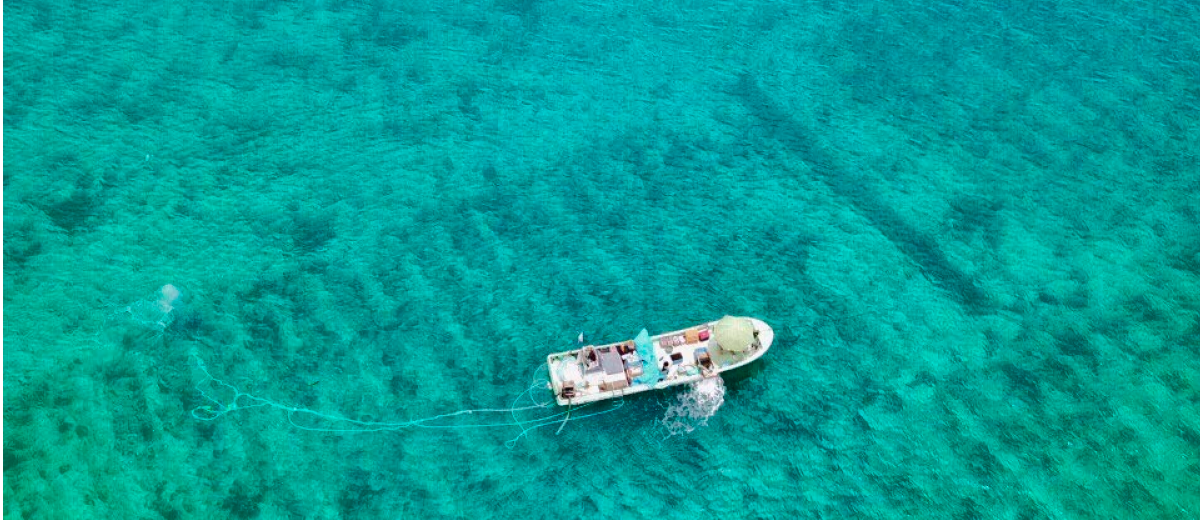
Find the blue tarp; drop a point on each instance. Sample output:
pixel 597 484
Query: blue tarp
pixel 645 348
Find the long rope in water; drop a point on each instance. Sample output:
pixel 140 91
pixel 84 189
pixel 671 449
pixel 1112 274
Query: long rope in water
pixel 564 423
pixel 242 401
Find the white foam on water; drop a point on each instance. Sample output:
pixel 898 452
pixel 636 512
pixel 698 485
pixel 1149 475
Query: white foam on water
pixel 694 406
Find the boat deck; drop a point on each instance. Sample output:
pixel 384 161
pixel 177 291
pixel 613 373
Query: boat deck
pixel 598 372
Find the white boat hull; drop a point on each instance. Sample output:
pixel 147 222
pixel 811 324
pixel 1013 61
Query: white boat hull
pixel 598 372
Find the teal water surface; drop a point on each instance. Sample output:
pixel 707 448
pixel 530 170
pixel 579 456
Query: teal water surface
pixel 971 224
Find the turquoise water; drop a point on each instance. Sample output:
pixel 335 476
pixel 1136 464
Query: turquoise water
pixel 972 226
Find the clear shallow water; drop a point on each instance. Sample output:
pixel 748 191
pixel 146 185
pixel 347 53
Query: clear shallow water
pixel 972 228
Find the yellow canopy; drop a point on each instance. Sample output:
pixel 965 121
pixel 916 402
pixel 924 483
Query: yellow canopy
pixel 734 334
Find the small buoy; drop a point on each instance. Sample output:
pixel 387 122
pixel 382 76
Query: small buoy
pixel 581 337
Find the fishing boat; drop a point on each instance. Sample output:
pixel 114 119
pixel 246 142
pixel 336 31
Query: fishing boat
pixel 598 372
